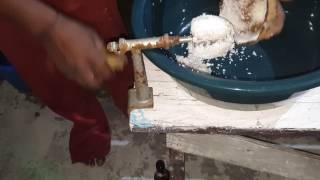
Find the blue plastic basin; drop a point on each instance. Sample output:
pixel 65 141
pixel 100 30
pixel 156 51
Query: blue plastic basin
pixel 271 71
pixel 8 73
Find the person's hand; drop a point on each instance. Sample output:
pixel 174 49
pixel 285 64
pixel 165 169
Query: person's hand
pixel 79 53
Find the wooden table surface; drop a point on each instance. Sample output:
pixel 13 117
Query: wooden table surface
pixel 175 110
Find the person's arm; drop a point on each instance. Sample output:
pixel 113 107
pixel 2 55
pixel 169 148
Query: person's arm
pixel 31 15
pixel 75 49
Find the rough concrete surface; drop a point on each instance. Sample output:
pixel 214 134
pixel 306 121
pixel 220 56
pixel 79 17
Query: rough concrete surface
pixel 34 146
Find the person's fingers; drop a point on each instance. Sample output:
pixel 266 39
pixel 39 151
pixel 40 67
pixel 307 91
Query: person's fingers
pixel 59 62
pixel 71 72
pixel 116 62
pixel 99 67
pixel 98 42
pixel 87 78
pixel 97 59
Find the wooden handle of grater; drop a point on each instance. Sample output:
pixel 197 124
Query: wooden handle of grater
pixel 116 62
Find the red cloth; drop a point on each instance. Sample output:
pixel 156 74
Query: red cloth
pixel 90 136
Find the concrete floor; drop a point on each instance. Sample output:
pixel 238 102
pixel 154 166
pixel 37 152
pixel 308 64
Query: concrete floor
pixel 34 146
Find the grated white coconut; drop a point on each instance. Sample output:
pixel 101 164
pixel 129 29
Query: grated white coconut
pixel 213 37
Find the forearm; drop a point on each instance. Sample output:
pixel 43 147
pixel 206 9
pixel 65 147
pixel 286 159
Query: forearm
pixel 32 15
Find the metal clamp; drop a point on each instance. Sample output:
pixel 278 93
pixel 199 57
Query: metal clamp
pixel 141 96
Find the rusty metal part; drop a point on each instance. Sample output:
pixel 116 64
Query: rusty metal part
pixel 141 96
pixel 165 41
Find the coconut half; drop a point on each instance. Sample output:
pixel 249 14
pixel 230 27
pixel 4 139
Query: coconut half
pixel 253 20
pixel 274 21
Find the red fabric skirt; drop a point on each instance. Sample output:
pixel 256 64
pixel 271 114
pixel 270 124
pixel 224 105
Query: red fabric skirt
pixel 90 136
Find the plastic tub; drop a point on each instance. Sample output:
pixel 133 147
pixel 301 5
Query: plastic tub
pixel 284 65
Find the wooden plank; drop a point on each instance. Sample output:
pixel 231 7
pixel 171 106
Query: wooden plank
pixel 176 108
pixel 249 153
pixel 256 133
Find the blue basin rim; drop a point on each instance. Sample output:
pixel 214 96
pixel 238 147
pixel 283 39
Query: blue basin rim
pixel 271 88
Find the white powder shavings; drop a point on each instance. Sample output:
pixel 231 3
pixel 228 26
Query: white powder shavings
pixel 194 63
pixel 213 37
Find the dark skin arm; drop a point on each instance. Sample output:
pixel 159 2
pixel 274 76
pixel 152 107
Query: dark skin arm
pixel 75 49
